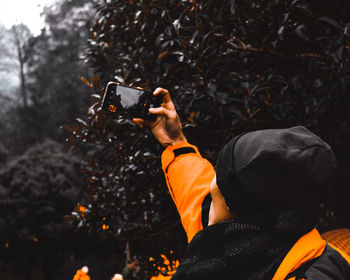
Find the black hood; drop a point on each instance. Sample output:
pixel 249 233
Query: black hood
pixel 274 169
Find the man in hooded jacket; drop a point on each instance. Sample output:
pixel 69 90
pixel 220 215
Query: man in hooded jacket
pixel 253 217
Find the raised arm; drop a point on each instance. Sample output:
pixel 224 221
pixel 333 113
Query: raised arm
pixel 187 173
pixel 188 177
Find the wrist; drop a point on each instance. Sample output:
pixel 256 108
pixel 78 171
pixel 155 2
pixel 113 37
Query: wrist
pixel 181 139
pixel 178 142
pixel 173 142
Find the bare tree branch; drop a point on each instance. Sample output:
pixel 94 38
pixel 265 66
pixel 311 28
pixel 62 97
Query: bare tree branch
pixel 21 35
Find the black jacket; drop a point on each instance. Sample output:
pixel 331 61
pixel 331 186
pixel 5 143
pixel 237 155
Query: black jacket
pixel 329 266
pixel 246 250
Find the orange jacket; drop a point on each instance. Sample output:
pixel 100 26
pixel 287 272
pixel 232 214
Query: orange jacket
pixel 188 178
pixel 80 275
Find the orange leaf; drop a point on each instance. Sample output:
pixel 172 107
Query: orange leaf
pixel 86 82
pixel 164 54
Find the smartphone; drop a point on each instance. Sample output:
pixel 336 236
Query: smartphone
pixel 128 101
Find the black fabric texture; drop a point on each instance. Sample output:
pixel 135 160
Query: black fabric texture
pixel 247 248
pixel 274 169
pixel 299 273
pixel 329 266
pixel 184 150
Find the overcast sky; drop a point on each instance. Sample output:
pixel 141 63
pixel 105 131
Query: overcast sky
pixel 23 11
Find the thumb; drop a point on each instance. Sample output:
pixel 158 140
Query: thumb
pixel 141 123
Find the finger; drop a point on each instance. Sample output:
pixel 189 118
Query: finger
pixel 165 93
pixel 160 111
pixel 141 122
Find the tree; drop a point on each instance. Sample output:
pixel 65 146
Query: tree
pixel 231 66
pixel 54 65
pixel 10 68
pixel 15 50
pixel 14 53
pixel 40 184
pixel 37 190
pixel 8 75
pixel 39 181
pixel 3 155
pixel 21 35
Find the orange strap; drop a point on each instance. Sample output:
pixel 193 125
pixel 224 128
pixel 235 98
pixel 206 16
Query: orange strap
pixel 188 177
pixel 308 247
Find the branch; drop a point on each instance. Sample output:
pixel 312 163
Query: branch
pixel 244 47
pixel 7 98
pixel 200 71
pixel 151 234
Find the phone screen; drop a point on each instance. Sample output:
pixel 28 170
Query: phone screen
pixel 129 101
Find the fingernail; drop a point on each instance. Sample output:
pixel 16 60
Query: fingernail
pixel 156 90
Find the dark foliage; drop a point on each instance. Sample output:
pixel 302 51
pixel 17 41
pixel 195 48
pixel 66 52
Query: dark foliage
pixel 39 182
pixel 231 66
pixel 37 189
pixel 3 154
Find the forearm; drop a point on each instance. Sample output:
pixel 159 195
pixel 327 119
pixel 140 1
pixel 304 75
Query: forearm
pixel 187 174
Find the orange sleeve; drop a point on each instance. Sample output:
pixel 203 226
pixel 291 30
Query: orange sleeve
pixel 188 177
pixel 77 275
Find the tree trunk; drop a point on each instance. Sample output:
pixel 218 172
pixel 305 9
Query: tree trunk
pixel 20 55
pixel 23 86
pixel 37 271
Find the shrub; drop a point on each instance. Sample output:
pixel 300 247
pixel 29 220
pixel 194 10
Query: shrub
pixel 231 66
pixel 38 189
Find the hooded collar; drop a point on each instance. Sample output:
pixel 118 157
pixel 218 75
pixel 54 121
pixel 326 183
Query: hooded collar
pixel 247 248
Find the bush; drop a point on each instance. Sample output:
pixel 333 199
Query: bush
pixel 3 154
pixel 38 189
pixel 231 66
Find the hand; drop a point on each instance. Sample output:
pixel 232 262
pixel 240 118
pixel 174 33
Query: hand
pixel 167 128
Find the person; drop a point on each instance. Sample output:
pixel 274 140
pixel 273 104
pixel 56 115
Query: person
pixel 117 276
pixel 82 274
pixel 131 269
pixel 254 215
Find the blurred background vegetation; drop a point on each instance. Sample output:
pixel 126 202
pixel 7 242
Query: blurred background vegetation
pixel 231 66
